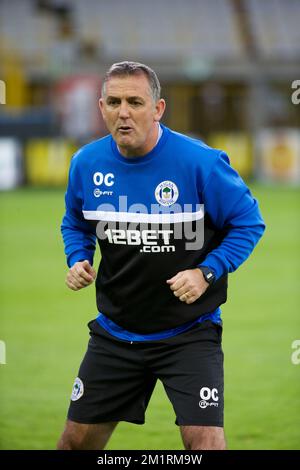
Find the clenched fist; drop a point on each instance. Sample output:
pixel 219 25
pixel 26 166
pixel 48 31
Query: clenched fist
pixel 81 274
pixel 188 285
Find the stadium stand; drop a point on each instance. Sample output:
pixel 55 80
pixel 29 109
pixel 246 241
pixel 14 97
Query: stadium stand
pixel 275 26
pixel 52 40
pixel 225 65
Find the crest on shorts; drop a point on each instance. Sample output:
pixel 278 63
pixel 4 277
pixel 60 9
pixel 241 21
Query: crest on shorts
pixel 78 389
pixel 166 193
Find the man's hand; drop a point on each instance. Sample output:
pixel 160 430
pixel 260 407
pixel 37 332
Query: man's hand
pixel 188 285
pixel 81 274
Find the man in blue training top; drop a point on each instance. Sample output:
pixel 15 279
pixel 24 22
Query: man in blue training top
pixel 172 219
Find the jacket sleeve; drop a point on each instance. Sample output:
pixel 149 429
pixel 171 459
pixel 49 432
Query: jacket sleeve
pixel 232 208
pixel 78 235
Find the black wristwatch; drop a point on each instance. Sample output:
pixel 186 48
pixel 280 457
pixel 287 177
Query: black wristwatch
pixel 208 274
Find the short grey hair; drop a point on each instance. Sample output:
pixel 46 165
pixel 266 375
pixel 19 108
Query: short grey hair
pixel 126 68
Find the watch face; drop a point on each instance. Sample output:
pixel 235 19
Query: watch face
pixel 209 277
pixel 207 274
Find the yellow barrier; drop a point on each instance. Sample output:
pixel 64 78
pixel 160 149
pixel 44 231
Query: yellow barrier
pixel 47 161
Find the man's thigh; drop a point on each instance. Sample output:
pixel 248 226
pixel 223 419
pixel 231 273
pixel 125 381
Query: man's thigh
pixel 112 384
pixel 190 366
pixel 77 436
pixel 203 437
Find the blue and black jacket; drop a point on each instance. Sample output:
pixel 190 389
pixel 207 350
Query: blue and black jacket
pixel 180 206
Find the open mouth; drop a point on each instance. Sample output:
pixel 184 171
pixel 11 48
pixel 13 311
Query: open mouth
pixel 124 129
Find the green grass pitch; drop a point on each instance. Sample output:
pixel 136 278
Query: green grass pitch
pixel 44 328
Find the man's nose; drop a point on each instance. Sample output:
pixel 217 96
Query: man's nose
pixel 123 110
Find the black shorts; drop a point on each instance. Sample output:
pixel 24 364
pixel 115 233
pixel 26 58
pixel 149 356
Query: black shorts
pixel 116 378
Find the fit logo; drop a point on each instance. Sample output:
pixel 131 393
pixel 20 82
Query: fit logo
pixel 2 353
pixel 208 394
pixel 295 358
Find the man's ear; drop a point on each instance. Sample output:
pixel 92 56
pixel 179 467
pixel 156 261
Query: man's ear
pixel 160 107
pixel 101 106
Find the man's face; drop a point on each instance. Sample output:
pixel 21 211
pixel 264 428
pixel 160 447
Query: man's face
pixel 131 114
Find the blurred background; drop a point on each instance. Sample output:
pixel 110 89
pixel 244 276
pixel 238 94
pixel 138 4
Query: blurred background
pixel 230 72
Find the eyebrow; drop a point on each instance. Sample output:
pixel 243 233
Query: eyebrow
pixel 111 97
